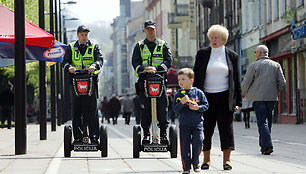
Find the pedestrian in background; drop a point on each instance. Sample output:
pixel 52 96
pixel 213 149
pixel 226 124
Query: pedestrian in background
pixel 114 108
pixel 216 72
pixel 190 107
pixel 7 103
pixel 128 108
pixel 261 84
pixel 246 108
pixel 104 108
pixel 136 103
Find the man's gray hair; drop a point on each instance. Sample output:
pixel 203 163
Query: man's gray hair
pixel 264 49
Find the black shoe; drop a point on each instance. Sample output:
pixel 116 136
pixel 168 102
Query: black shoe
pixel 164 140
pixel 227 167
pixel 94 141
pixel 77 141
pixel 205 166
pixel 267 151
pixel 146 139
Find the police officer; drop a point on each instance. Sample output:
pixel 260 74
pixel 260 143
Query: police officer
pixel 150 55
pixel 84 54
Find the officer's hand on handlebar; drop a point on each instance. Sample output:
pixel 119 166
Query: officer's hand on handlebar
pixel 72 69
pixel 150 69
pixel 92 68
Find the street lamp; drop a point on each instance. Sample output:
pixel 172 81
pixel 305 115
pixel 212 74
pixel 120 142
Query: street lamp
pixel 67 88
pixel 69 2
pixel 60 15
pixel 65 30
pixel 66 94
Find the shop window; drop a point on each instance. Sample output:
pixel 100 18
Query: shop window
pixel 292 91
pixel 276 9
pixel 269 11
pixel 302 84
pixel 283 7
pixel 300 3
pixel 283 99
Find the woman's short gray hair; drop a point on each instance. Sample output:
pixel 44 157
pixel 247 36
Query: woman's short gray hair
pixel 220 30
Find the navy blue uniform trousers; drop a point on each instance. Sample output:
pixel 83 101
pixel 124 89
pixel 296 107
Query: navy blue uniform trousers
pixel 85 112
pixel 191 135
pixel 145 112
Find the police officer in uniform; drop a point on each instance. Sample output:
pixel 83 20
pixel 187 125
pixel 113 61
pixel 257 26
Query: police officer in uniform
pixel 150 55
pixel 84 54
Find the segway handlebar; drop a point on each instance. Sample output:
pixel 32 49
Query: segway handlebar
pixel 156 72
pixel 82 71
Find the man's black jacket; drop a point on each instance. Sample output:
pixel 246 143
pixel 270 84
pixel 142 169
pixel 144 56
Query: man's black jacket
pixel 137 60
pixel 67 62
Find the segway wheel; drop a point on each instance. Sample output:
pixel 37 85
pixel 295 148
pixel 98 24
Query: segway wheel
pixel 173 141
pixel 67 140
pixel 136 141
pixel 103 141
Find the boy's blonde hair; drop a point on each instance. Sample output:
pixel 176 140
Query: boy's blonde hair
pixel 186 71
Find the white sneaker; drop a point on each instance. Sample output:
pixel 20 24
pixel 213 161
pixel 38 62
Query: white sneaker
pixel 197 168
pixel 186 172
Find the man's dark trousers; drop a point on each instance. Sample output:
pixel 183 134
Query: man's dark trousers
pixel 145 112
pixel 263 111
pixel 91 115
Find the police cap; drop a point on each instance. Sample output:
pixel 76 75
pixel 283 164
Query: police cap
pixel 150 24
pixel 82 28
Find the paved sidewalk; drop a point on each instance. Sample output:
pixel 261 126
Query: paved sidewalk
pixel 39 152
pixel 46 156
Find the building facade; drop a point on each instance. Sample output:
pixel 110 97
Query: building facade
pixel 184 25
pixel 269 22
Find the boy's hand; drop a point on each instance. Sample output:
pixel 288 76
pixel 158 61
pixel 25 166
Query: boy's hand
pixel 194 106
pixel 184 99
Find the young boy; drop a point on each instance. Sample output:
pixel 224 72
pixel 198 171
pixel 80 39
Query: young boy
pixel 190 103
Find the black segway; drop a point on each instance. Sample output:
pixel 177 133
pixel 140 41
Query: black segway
pixel 83 86
pixel 154 85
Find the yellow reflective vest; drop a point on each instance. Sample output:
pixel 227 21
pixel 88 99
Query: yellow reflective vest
pixel 83 62
pixel 149 59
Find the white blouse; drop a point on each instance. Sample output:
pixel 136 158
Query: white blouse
pixel 216 79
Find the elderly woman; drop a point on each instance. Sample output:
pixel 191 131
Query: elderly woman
pixel 216 72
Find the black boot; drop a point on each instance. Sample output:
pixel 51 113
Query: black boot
pixel 163 136
pixel 146 137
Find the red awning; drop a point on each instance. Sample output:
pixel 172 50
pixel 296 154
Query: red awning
pixel 34 35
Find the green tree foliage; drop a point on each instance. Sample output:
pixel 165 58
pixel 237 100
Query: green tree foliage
pixel 32 69
pixel 290 15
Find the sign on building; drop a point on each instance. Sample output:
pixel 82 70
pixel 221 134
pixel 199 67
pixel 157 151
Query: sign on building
pixel 192 16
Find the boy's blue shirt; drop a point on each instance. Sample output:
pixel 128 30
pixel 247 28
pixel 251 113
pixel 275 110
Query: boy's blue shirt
pixel 188 117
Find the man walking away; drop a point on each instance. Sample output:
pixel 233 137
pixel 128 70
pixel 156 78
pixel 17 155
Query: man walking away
pixel 262 82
